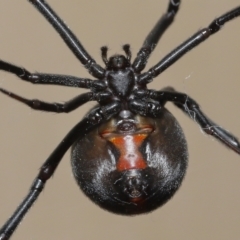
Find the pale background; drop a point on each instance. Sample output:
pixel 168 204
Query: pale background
pixel 207 205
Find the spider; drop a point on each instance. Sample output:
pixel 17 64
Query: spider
pixel 140 153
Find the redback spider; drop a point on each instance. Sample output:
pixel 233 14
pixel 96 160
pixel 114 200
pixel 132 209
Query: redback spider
pixel 129 153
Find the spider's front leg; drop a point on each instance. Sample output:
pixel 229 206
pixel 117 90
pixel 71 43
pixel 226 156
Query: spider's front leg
pixel 186 46
pixel 192 109
pixel 155 34
pixel 69 38
pixel 94 119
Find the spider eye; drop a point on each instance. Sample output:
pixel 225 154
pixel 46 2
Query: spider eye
pixel 118 62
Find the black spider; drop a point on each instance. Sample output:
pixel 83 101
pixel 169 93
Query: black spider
pixel 129 154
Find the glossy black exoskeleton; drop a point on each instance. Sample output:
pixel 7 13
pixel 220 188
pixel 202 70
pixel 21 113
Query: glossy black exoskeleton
pixel 131 169
pixel 129 154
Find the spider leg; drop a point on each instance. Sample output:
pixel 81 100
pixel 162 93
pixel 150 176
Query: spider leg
pixel 94 119
pixel 145 108
pixel 191 108
pixel 186 46
pixel 54 79
pixel 153 37
pixel 69 38
pixel 60 107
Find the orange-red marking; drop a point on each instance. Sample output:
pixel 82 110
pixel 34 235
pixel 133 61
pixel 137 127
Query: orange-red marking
pixel 130 156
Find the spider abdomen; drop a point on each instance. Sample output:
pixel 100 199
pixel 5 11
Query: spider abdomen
pixel 133 169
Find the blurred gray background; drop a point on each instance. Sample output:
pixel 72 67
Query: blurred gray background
pixel 207 205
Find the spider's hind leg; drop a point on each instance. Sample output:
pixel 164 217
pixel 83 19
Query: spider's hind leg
pixel 65 107
pixel 94 119
pixel 192 109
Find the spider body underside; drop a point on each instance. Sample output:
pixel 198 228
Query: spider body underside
pixel 140 152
